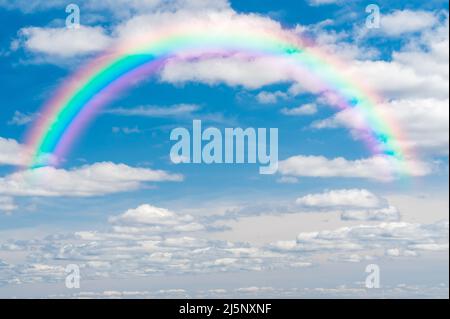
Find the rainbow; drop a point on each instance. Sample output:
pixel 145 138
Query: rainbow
pixel 80 98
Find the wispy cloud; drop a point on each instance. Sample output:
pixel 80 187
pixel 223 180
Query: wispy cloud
pixel 7 205
pixel 179 110
pixel 126 130
pixel 307 109
pixel 20 119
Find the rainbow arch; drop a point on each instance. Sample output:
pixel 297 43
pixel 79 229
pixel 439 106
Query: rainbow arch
pixel 80 98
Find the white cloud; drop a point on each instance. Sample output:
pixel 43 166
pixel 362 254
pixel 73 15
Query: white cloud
pixel 238 70
pixel 271 97
pixel 307 109
pixel 64 42
pixel 235 70
pixel 429 53
pixel 380 168
pixel 12 153
pixel 419 70
pixel 406 21
pixel 147 218
pixel 90 180
pixel 342 198
pixel 394 80
pixel 354 204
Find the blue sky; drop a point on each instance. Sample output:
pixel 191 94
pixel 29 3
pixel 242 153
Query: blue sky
pixel 253 235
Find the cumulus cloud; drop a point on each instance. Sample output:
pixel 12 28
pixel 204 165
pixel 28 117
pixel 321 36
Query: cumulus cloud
pixel 401 22
pixel 64 42
pixel 89 180
pixel 417 70
pixel 148 218
pixel 379 168
pixel 343 198
pixel 307 109
pixel 238 70
pixel 12 152
pixel 394 80
pixel 354 205
pixel 233 69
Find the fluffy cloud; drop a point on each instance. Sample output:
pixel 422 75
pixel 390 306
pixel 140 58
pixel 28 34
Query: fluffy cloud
pixel 238 70
pixel 12 153
pixel 406 21
pixel 354 204
pixel 147 218
pixel 64 42
pixel 418 70
pixel 90 180
pixel 344 198
pixel 380 168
